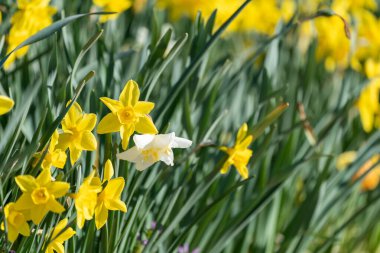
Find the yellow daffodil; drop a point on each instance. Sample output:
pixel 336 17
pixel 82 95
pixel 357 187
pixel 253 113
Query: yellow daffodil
pixel 369 106
pixel 86 198
pixel 371 179
pixel 109 198
pixel 58 237
pixel 39 195
pixel 77 136
pixel 6 104
pixel 112 6
pixel 31 17
pixel 127 115
pixel 239 154
pixel 16 222
pixel 53 157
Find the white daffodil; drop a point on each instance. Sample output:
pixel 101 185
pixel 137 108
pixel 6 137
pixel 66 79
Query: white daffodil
pixel 153 148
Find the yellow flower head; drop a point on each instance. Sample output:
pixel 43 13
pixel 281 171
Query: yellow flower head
pixel 109 198
pixel 16 222
pixel 39 195
pixel 32 16
pixel 54 157
pixel 77 136
pixel 58 237
pixel 127 115
pixel 112 6
pixel 239 154
pixel 6 104
pixel 369 106
pixel 86 198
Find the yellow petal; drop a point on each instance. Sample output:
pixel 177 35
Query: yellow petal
pixel 64 141
pixel 59 227
pixel 24 229
pixel 242 133
pixel 101 216
pixel 72 116
pixel 55 206
pixel 112 104
pixel 58 189
pixel 345 159
pixel 243 171
pixel 59 159
pixel 225 167
pixel 108 171
pixel 115 205
pixel 109 124
pixel 88 141
pixel 143 107
pixel 74 154
pixel 88 122
pixel 53 141
pixel 114 188
pixel 145 125
pixel 130 94
pixel 44 178
pixel 12 233
pixel 37 213
pixel 26 183
pixel 6 104
pixel 126 132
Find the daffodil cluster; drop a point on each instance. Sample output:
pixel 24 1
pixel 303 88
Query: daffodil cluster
pixel 31 17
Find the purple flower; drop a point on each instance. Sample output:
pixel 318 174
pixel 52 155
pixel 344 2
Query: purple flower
pixel 184 248
pixel 196 250
pixel 145 242
pixel 153 226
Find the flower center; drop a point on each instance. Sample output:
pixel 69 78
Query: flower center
pixel 150 153
pixel 40 196
pixel 16 219
pixel 126 115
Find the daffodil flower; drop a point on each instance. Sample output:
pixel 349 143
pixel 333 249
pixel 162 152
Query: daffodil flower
pixel 150 149
pixel 77 136
pixel 16 222
pixel 369 106
pixel 112 6
pixel 58 237
pixel 53 157
pixel 239 154
pixel 39 195
pixel 127 115
pixel 86 198
pixel 109 198
pixel 6 104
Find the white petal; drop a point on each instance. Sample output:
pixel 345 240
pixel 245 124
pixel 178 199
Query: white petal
pixel 167 157
pixel 181 143
pixel 163 140
pixel 131 155
pixel 142 165
pixel 143 140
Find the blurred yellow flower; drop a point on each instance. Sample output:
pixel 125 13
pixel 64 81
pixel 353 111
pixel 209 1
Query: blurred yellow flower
pixel 127 115
pixel 239 154
pixel 39 195
pixel 31 17
pixel 77 136
pixel 53 157
pixel 86 198
pixel 369 106
pixel 112 6
pixel 109 198
pixel 58 237
pixel 16 222
pixel 6 104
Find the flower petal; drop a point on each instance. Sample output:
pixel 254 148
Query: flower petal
pixel 242 133
pixel 74 154
pixel 143 107
pixel 88 141
pixel 167 157
pixel 6 104
pixel 130 155
pixel 112 104
pixel 55 206
pixel 58 189
pixel 64 141
pixel 59 159
pixel 145 125
pixel 26 183
pixel 126 132
pixel 181 143
pixel 72 116
pixel 115 205
pixel 101 216
pixel 44 178
pixel 143 140
pixel 109 124
pixel 130 94
pixel 108 171
pixel 88 122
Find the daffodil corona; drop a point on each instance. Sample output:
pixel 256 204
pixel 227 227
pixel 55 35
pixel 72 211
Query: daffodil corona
pixel 127 115
pixel 39 195
pixel 16 222
pixel 150 149
pixel 239 154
